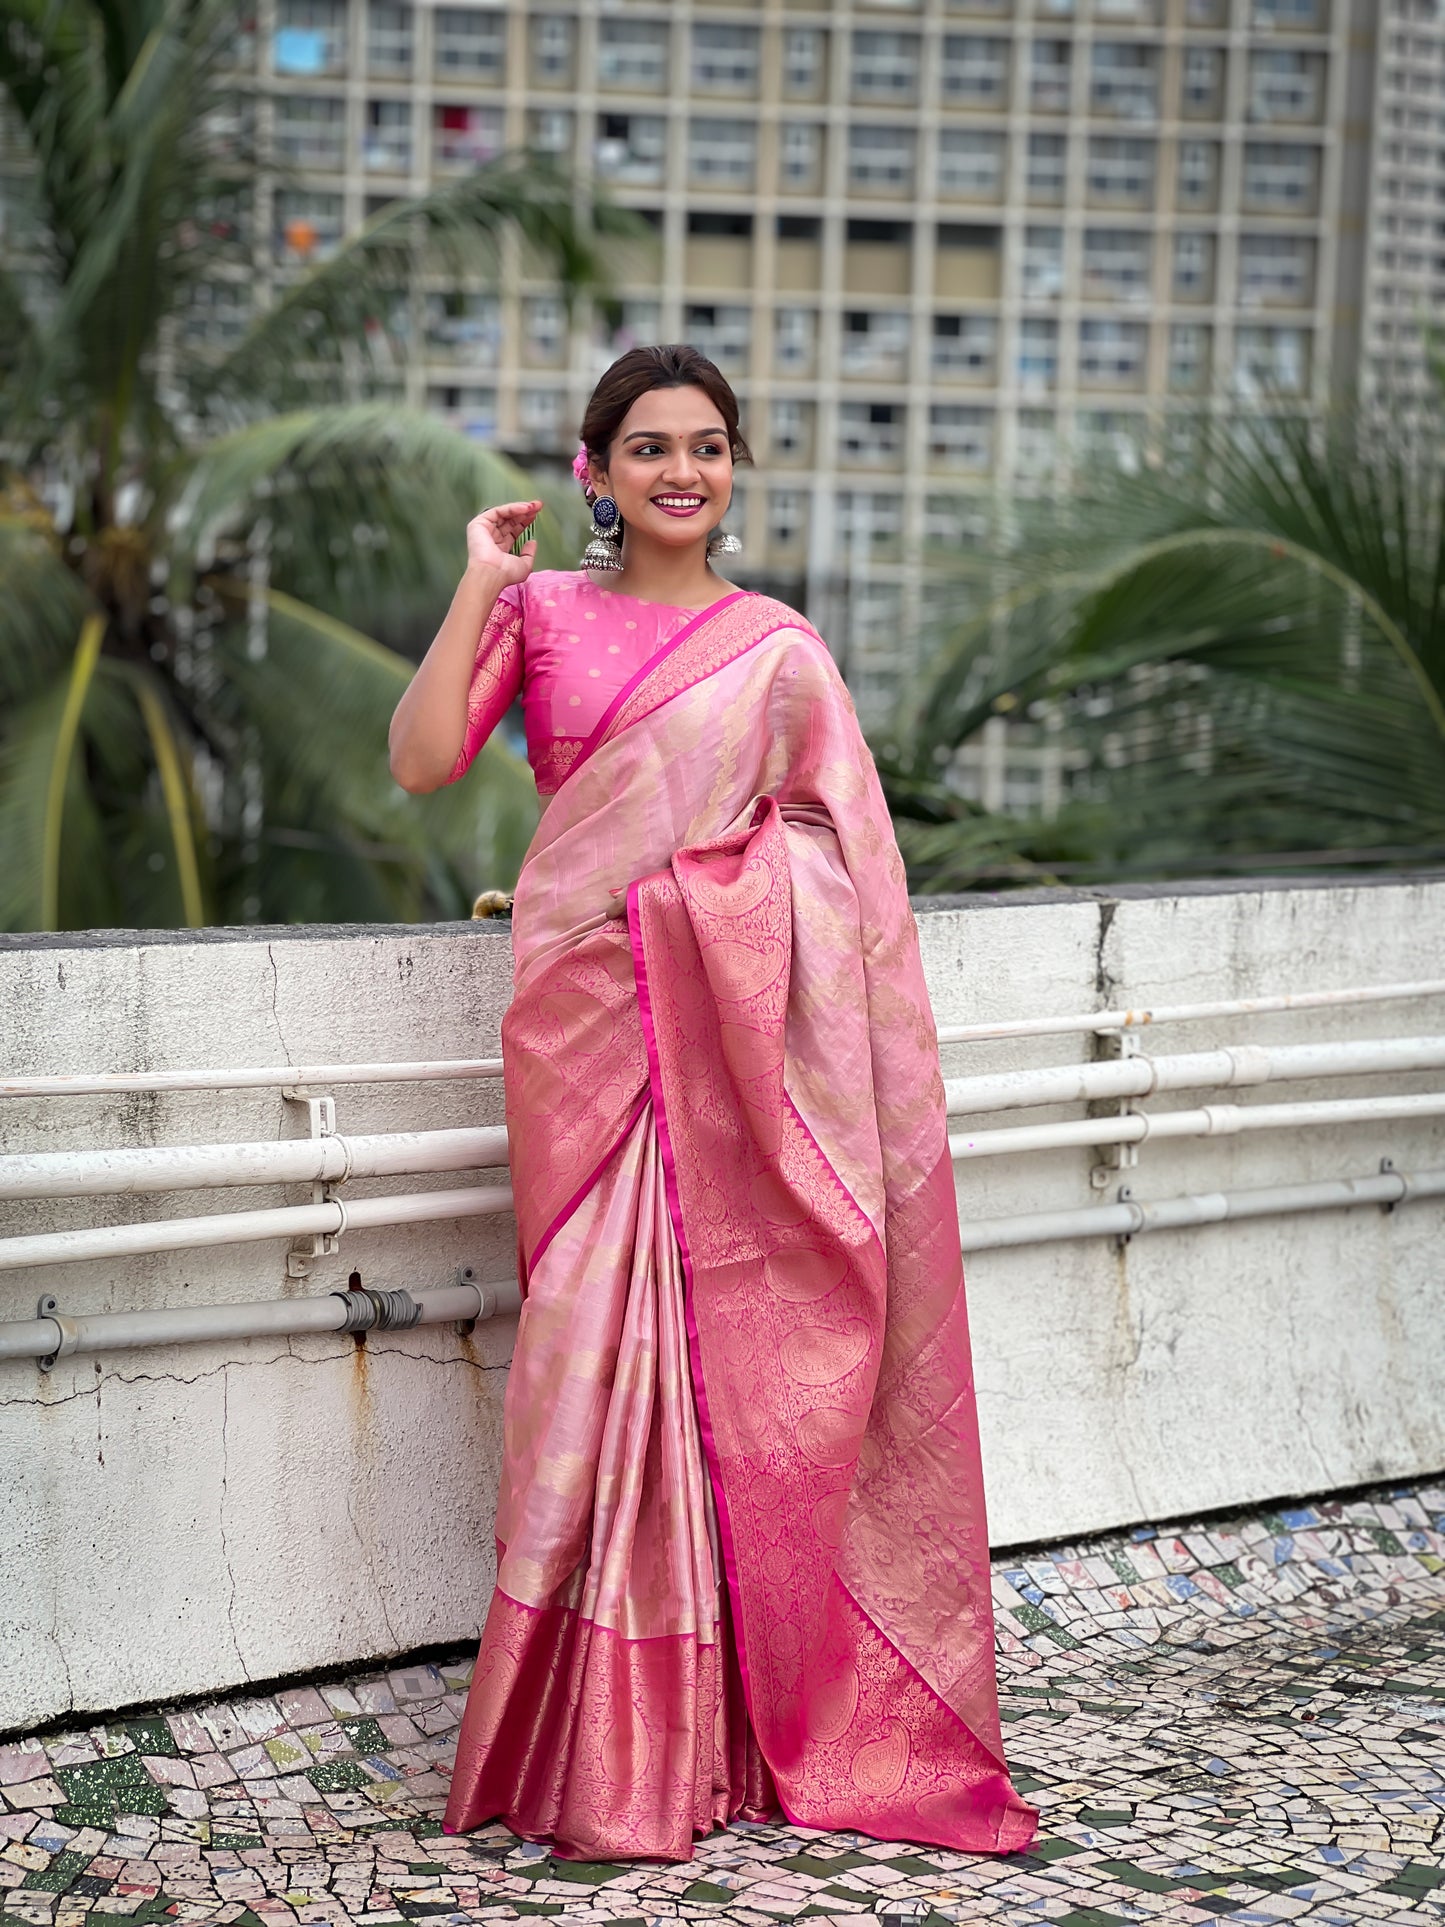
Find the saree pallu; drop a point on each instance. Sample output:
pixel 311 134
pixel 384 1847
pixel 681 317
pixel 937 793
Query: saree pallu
pixel 742 1548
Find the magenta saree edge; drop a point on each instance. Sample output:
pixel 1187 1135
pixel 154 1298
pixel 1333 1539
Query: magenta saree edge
pixel 640 675
pixel 534 1257
pixel 674 1206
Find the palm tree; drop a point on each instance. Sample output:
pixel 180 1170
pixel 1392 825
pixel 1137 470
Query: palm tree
pixel 200 544
pixel 1244 648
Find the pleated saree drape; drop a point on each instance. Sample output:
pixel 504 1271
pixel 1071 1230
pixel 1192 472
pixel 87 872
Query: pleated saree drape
pixel 743 1558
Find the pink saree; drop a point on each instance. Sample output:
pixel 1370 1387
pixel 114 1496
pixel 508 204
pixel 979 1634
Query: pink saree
pixel 742 1550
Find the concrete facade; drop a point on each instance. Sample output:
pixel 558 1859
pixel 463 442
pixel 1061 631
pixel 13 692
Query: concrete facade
pixel 194 1518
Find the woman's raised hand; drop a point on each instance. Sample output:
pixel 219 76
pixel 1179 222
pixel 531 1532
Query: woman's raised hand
pixel 491 534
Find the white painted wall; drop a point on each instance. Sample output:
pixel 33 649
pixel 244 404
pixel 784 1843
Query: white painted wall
pixel 188 1519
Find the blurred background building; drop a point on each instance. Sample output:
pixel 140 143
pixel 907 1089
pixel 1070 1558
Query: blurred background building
pixel 941 247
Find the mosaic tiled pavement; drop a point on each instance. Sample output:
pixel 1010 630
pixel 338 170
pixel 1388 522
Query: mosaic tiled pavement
pixel 1238 1717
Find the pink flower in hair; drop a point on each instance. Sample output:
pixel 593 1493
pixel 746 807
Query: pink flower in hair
pixel 579 464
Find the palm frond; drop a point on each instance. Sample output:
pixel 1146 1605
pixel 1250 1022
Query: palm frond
pixel 366 505
pixel 42 605
pixel 320 702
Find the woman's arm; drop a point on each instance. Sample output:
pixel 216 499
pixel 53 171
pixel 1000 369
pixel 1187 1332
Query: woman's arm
pixel 429 726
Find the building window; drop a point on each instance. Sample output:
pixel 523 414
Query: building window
pixel 1271 361
pixel 800 157
pixel 803 63
pixel 795 340
pixel 539 414
pixel 544 328
pixel 1111 353
pixel 1123 80
pixel 1197 180
pixel 874 342
pixel 632 54
pixel 870 433
pixel 1276 268
pixel 470 45
pixel 722 153
pixel 951 522
pixel 959 436
pixel 463 327
pixel 787 518
pixel 1036 443
pixel 386 142
pixel 553 48
pixel 1193 276
pixel 1120 171
pixel 308 226
pixel 884 66
pixel 970 164
pixel 1280 176
pixel 1206 13
pixel 1201 86
pixel 975 70
pixel 310 131
pixel 638 321
pixel 473 409
pixel 1116 264
pixel 1049 76
pixel 1299 16
pixel 1043 263
pixel 310 37
pixel 880 159
pixel 790 429
pixel 1189 357
pixel 724 59
pixel 723 333
pixel 965 346
pixel 389 36
pixel 1284 84
pixel 466 137
pixel 1038 354
pixel 869 522
pixel 549 129
pixel 1132 13
pixel 1045 163
pixel 631 148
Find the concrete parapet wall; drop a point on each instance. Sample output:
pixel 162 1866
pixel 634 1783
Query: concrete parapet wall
pixel 186 1519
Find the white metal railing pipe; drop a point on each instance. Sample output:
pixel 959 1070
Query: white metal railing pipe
pixel 1210 1120
pixel 1139 1075
pixel 195 1167
pixel 1124 1019
pixel 58 1335
pixel 268 1077
pixel 1129 1216
pixel 329 1218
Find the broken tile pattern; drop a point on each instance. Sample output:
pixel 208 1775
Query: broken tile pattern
pixel 1239 1717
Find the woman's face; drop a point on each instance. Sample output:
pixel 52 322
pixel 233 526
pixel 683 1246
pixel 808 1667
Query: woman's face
pixel 671 467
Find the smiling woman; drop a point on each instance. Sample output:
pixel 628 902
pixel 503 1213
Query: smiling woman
pixel 741 1544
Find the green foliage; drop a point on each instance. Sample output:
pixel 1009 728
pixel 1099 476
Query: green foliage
pixel 1244 652
pixel 233 515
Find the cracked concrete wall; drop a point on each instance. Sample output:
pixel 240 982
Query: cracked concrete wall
pixel 188 1519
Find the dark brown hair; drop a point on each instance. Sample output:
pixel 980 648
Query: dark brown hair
pixel 637 373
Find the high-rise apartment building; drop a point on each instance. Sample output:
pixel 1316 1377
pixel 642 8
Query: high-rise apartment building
pixel 1403 271
pixel 936 244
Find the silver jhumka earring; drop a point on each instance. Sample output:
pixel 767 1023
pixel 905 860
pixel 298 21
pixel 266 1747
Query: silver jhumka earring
pixel 721 543
pixel 604 551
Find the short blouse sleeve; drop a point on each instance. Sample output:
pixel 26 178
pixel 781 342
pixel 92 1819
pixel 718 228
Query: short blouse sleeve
pixel 496 674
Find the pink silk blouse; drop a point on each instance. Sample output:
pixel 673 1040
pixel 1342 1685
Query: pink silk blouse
pixel 569 647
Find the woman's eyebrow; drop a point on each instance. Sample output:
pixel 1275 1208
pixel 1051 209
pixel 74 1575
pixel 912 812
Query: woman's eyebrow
pixel 659 435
